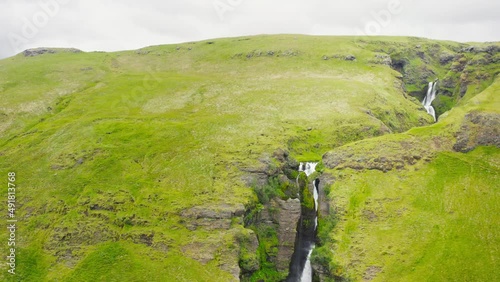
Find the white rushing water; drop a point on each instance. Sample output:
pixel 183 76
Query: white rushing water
pixel 308 168
pixel 431 95
pixel 316 196
pixel 307 272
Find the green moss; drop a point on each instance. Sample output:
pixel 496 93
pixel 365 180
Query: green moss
pixel 307 199
pixel 249 260
pixel 443 104
pixel 270 190
pixel 266 274
pixel 268 248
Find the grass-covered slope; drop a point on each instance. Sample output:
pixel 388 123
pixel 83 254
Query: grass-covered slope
pixel 434 216
pixel 131 165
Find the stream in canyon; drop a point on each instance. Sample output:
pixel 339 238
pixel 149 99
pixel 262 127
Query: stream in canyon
pixel 300 265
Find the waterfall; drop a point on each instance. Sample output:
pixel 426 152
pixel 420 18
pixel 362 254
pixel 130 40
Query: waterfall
pixel 307 272
pixel 300 265
pixel 315 193
pixel 431 95
pixel 308 168
pixel 316 205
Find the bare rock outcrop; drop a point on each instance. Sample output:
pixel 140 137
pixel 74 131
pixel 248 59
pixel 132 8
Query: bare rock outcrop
pixel 384 156
pixel 40 51
pixel 211 218
pixel 478 129
pixel 260 174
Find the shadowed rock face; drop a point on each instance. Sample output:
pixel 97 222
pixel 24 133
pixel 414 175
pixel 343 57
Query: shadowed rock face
pixel 287 218
pixel 478 129
pixel 280 215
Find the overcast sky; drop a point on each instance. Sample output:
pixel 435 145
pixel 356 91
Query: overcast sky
pixel 109 25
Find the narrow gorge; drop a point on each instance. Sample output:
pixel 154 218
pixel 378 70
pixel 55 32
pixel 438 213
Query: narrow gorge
pixel 300 265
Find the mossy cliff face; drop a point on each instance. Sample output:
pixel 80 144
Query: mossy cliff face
pixel 276 227
pixel 139 165
pixel 275 218
pixel 462 69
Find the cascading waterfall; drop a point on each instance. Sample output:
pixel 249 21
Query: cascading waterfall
pixel 307 273
pixel 300 266
pixel 308 168
pixel 431 95
pixel 316 197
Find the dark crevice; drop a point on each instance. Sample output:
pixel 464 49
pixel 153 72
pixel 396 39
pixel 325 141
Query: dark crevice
pixel 305 239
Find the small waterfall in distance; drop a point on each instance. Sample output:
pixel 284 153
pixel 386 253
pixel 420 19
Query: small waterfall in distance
pixel 431 95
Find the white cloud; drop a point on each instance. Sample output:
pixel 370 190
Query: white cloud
pixel 128 24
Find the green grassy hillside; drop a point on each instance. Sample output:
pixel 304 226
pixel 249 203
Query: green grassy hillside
pixel 136 165
pixel 434 218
